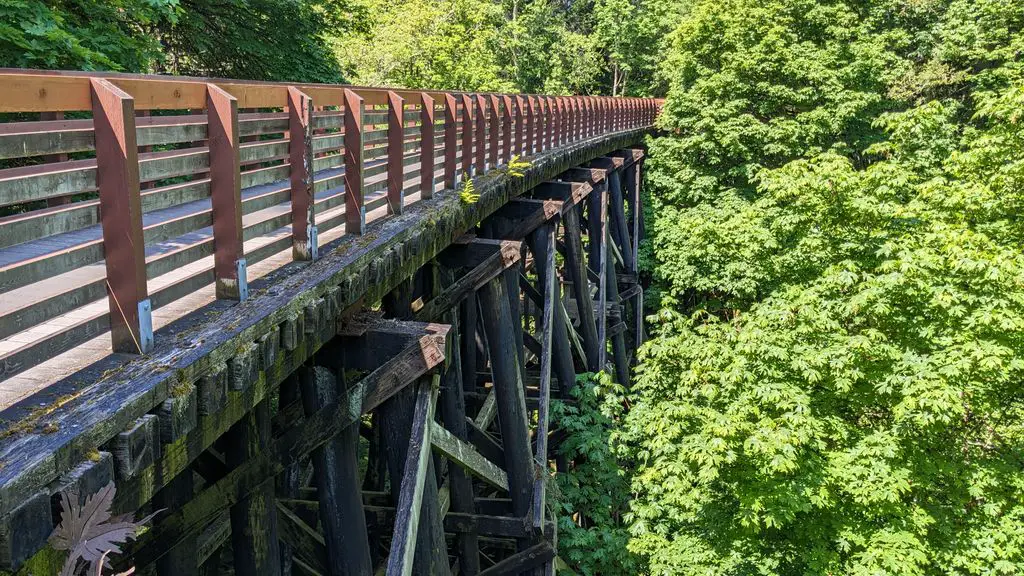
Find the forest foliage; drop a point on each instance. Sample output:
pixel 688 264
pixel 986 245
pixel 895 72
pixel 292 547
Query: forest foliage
pixel 835 385
pixel 834 201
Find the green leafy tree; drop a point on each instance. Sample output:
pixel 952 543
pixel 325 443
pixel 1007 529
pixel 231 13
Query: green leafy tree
pixel 593 497
pixel 84 34
pixel 835 385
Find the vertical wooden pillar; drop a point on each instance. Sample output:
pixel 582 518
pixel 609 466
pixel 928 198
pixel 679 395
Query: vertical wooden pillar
pixel 117 173
pixel 254 539
pixel 396 153
pixel 494 130
pixel 289 481
pixel 453 414
pixel 300 151
pixel 542 244
pixel 426 146
pixel 226 194
pixel 451 145
pixel 336 468
pixel 355 211
pixel 597 226
pixel 576 263
pixel 618 213
pixel 499 326
pixel 183 557
pixel 467 342
pixel 481 134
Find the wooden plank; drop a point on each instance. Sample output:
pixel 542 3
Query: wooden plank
pixel 544 244
pixel 131 324
pixel 395 154
pixel 300 154
pixel 427 146
pixel 471 281
pixel 523 561
pixel 465 455
pixel 507 118
pixel 494 130
pixel 226 195
pixel 413 480
pixel 355 211
pixel 306 542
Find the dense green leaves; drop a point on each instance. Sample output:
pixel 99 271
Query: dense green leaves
pixel 836 383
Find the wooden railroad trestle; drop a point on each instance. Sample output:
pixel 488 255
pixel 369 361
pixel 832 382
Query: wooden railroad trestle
pixel 322 434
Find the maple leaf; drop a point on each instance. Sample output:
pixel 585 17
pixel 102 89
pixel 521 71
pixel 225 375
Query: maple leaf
pixel 89 532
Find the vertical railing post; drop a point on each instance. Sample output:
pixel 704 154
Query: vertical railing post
pixel 300 154
pixel 117 173
pixel 396 152
pixel 226 195
pixel 531 124
pixel 495 129
pixel 467 137
pixel 519 132
pixel 507 119
pixel 451 132
pixel 546 119
pixel 481 134
pixel 355 210
pixel 426 146
pixel 556 117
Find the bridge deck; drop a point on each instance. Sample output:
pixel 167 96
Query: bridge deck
pixel 80 406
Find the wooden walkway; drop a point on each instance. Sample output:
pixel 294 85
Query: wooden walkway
pixel 215 292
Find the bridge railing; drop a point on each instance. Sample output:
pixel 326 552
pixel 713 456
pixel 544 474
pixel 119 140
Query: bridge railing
pixel 143 190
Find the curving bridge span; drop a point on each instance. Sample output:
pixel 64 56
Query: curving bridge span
pixel 313 329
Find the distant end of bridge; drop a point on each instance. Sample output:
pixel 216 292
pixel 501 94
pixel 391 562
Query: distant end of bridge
pixel 319 325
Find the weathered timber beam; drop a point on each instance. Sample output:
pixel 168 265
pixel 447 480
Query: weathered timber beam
pixel 593 176
pixel 520 562
pixel 500 326
pixel 410 500
pixel 503 255
pixel 519 217
pixel 571 193
pixel 336 467
pixel 576 264
pixel 303 540
pixel 285 450
pixel 465 455
pixel 470 251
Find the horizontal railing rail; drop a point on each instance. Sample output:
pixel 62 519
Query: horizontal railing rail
pixel 145 189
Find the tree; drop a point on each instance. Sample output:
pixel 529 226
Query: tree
pixel 835 383
pixel 84 34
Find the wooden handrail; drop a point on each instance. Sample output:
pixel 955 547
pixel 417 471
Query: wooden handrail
pixel 373 140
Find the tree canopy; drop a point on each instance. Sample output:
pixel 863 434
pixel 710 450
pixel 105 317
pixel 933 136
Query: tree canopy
pixel 835 386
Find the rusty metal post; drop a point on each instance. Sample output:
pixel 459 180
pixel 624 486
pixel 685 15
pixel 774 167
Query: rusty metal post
pixel 495 130
pixel 355 211
pixel 481 134
pixel 226 195
pixel 117 171
pixel 300 153
pixel 451 146
pixel 396 153
pixel 426 146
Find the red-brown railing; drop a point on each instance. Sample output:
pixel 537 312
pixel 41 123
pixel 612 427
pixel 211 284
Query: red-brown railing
pixel 145 189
